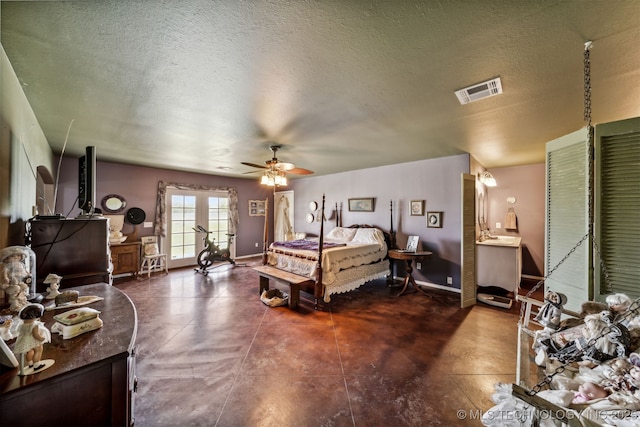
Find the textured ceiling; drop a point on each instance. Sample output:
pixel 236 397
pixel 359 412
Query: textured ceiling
pixel 204 85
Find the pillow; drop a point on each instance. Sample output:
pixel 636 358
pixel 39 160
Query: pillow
pixel 369 235
pixel 151 249
pixel 342 233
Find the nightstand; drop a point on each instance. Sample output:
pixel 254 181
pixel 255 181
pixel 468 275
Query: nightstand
pixel 125 258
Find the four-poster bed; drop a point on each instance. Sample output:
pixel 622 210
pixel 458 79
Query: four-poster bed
pixel 341 261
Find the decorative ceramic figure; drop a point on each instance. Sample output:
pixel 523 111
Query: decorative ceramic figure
pixel 53 280
pixel 551 312
pixel 18 269
pixel 6 332
pixel 32 334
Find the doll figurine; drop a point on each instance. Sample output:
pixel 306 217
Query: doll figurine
pixel 619 305
pixel 588 392
pixel 15 276
pixel 551 312
pixel 53 280
pixel 32 334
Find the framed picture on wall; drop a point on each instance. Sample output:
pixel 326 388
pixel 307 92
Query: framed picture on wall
pixel 361 205
pixel 434 219
pixel 417 207
pixel 257 207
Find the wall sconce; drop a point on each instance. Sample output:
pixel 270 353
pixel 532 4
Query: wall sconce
pixel 487 179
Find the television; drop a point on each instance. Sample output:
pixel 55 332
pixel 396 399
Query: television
pixel 87 181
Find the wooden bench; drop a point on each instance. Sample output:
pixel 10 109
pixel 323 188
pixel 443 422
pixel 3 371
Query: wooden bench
pixel 294 281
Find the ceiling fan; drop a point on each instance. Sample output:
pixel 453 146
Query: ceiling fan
pixel 276 171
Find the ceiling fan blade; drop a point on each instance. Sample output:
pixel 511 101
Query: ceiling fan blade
pixel 300 171
pixel 253 165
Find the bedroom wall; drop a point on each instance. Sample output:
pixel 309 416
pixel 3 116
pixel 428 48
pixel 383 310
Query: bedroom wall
pixel 527 185
pixel 437 181
pixel 23 147
pixel 139 185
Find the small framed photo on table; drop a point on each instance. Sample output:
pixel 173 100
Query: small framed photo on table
pixel 417 207
pixel 434 219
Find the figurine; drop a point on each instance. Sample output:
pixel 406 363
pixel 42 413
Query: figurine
pixel 588 392
pixel 551 312
pixel 15 276
pixel 32 334
pixel 6 332
pixel 53 280
pixel 549 317
pixel 595 346
pixel 619 305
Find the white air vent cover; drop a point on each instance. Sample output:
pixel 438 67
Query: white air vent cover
pixel 479 91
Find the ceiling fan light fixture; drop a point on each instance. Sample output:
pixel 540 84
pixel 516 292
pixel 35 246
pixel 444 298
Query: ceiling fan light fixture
pixel 274 177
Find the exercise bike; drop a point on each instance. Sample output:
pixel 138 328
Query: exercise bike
pixel 212 252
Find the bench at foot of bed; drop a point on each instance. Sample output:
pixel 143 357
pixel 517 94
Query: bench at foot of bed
pixel 294 281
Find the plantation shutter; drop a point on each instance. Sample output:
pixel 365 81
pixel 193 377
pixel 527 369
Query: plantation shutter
pixel 617 147
pixel 567 219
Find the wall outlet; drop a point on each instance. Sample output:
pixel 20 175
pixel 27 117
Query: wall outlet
pixel 449 280
pixel 419 265
pixel 498 225
pixel 256 244
pixel 148 224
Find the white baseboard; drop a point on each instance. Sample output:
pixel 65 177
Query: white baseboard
pixel 531 277
pixel 249 256
pixel 433 285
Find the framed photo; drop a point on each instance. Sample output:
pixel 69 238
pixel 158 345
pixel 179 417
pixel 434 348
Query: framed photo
pixel 434 219
pixel 257 207
pixel 412 244
pixel 361 205
pixel 417 207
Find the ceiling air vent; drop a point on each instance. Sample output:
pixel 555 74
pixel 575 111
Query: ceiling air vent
pixel 480 90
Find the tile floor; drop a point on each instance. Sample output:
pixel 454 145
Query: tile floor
pixel 210 353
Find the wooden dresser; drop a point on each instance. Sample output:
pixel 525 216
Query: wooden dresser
pixel 125 258
pixel 92 382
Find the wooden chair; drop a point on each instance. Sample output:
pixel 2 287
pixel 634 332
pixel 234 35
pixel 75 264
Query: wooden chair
pixel 152 259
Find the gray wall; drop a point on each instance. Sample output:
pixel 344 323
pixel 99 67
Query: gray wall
pixel 437 181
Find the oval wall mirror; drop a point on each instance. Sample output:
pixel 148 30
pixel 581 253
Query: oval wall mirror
pixel 113 203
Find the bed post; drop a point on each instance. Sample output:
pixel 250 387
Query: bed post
pixel 318 290
pixel 265 242
pixel 391 232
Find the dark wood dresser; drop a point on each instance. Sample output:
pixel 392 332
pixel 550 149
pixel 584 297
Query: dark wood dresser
pixel 92 382
pixel 76 249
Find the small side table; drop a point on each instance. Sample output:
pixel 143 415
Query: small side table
pixel 409 257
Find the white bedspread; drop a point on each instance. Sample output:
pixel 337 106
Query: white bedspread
pixel 344 268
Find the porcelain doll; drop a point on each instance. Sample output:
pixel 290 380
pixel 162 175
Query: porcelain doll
pixel 619 305
pixel 53 280
pixel 549 317
pixel 551 312
pixel 602 340
pixel 14 269
pixel 589 391
pixel 32 334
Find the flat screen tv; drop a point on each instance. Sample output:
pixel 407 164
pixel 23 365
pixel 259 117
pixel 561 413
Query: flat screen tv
pixel 87 181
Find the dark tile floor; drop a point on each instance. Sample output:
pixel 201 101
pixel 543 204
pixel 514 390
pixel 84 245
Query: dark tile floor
pixel 210 353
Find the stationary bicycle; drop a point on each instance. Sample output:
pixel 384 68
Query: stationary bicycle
pixel 212 252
